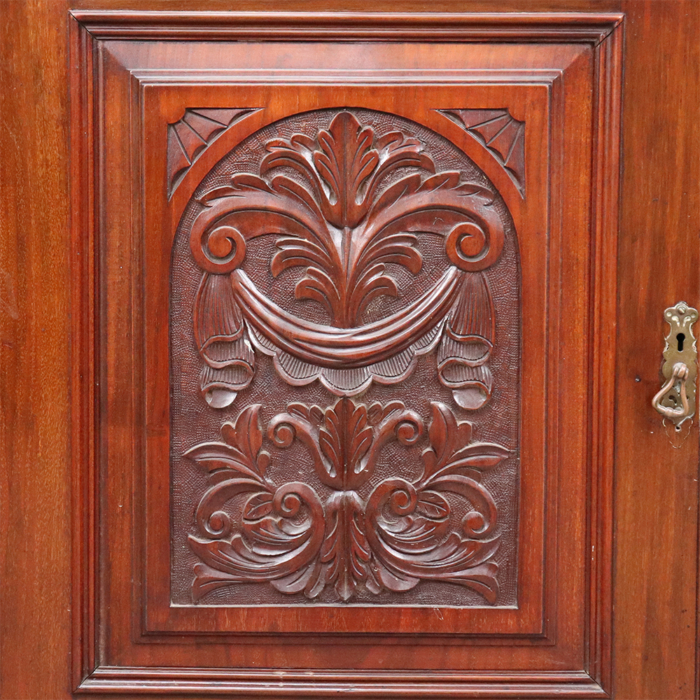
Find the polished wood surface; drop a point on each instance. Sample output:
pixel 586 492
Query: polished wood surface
pixel 46 586
pixel 35 390
pixel 143 552
pixel 659 258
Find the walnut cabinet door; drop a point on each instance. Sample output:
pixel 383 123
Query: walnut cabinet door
pixel 366 315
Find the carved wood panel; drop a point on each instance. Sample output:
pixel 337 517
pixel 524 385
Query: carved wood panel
pixel 342 382
pixel 345 362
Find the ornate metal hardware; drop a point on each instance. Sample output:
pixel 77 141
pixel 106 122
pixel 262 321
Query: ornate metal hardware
pixel 676 400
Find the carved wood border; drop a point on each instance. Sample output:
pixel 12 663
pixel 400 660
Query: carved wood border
pixel 153 625
pixel 603 33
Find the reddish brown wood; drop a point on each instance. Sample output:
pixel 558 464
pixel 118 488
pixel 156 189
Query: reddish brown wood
pixel 656 492
pixel 547 629
pixel 501 133
pixel 191 135
pixel 313 618
pixel 346 543
pixel 342 205
pixel 343 25
pixel 35 387
pixel 659 258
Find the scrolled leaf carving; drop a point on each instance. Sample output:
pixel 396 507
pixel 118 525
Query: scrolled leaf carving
pixel 337 225
pixel 345 205
pixel 345 439
pixel 400 534
pixel 278 532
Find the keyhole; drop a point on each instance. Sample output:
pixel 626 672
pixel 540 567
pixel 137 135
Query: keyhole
pixel 680 338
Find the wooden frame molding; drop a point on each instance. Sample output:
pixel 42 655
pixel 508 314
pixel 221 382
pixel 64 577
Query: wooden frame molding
pixel 350 26
pixel 94 666
pixel 366 685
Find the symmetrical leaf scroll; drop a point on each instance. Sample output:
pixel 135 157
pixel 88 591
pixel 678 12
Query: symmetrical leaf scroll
pixel 401 533
pixel 345 205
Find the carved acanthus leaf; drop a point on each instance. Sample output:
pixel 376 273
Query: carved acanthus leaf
pixel 404 532
pixel 337 225
pixel 345 439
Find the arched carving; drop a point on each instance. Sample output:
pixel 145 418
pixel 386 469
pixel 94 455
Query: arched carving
pixel 346 253
pixel 342 221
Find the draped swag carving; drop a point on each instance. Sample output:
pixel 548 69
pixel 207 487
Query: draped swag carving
pixel 348 208
pixel 344 225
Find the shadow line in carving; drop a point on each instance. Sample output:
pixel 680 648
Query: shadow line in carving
pixel 402 533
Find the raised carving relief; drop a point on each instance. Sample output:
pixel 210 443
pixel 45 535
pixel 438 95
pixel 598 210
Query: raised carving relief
pixel 402 533
pixel 343 314
pixel 502 134
pixel 189 137
pixel 343 221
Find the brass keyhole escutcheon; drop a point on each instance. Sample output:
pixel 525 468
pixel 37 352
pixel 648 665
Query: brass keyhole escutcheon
pixel 677 397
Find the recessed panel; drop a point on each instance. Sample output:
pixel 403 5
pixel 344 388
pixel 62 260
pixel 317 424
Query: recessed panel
pixel 345 371
pixel 343 279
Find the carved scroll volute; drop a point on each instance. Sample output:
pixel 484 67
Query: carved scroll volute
pixel 344 217
pixel 403 533
pixel 323 511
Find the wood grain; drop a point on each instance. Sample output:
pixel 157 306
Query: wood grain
pixel 659 265
pixel 656 485
pixel 290 620
pixel 35 558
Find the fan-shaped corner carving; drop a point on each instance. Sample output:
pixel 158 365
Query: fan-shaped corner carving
pixel 499 132
pixel 193 134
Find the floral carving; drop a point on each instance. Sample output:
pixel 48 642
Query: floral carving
pixel 402 532
pixel 356 203
pixel 346 252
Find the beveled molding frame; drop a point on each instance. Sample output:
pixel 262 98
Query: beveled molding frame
pixel 603 33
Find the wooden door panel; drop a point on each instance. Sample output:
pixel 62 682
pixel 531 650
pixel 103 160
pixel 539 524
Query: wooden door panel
pixel 69 553
pixel 346 303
